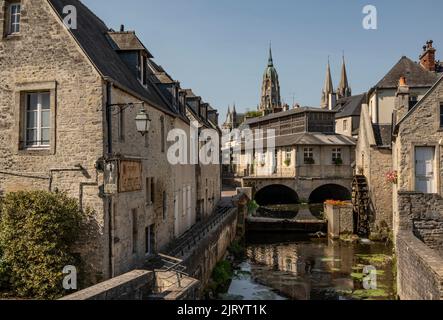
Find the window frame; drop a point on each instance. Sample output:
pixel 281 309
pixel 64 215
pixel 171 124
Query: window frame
pixel 38 143
pixel 308 154
pixel 13 19
pixel 337 154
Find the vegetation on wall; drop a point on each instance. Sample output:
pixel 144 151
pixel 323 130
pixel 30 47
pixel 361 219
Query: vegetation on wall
pixel 38 230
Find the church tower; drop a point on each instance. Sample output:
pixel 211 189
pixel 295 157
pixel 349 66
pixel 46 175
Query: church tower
pixel 270 94
pixel 328 97
pixel 343 90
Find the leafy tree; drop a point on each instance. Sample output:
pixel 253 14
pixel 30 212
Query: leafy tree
pixel 38 230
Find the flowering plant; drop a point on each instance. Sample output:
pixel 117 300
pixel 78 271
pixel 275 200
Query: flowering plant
pixel 336 202
pixel 392 177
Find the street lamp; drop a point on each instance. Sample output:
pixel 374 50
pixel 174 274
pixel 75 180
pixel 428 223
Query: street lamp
pixel 142 122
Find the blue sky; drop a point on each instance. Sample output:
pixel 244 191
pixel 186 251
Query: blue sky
pixel 219 48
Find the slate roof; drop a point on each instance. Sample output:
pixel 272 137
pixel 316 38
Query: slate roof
pixel 312 139
pixel 383 134
pixel 285 114
pixel 92 36
pixel 416 76
pixel 350 106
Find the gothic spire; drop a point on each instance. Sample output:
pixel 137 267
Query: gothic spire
pixel 270 60
pixel 328 88
pixel 343 89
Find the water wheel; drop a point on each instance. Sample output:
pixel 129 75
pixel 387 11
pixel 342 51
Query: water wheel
pixel 361 202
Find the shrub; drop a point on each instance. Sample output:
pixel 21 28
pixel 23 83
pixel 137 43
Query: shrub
pixel 37 232
pixel 222 273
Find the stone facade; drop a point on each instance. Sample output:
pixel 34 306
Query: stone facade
pixel 418 218
pixel 340 220
pixel 126 226
pixel 374 163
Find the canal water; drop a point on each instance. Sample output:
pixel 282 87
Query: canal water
pixel 305 267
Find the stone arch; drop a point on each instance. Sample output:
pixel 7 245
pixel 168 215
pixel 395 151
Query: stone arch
pixel 330 192
pixel 276 194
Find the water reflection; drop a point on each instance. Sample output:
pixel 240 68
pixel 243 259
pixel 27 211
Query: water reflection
pixel 292 211
pixel 312 269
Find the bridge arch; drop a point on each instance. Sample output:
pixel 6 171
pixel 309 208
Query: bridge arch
pixel 330 192
pixel 276 194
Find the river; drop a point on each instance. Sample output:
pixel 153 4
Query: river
pixel 279 267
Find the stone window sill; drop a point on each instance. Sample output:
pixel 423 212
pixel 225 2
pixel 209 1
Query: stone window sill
pixel 15 36
pixel 35 152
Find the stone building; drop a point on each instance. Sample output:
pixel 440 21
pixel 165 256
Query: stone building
pixel 310 161
pixel 68 98
pixel 374 148
pixel 347 119
pixel 417 192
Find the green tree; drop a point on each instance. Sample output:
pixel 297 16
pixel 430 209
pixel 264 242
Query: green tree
pixel 38 230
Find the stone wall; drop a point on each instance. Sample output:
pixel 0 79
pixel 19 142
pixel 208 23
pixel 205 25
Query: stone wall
pixel 423 214
pixel 135 285
pixel 420 269
pixel 340 220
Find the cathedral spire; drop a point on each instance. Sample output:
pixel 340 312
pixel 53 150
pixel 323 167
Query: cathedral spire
pixel 270 60
pixel 328 90
pixel 343 89
pixel 270 94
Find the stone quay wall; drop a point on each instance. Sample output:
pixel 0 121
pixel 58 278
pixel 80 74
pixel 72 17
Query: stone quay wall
pixel 419 241
pixel 134 285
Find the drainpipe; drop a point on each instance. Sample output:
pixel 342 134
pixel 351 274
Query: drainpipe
pixel 108 111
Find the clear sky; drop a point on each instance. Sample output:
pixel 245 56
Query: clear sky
pixel 219 48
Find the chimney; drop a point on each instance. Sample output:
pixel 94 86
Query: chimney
pixel 427 58
pixel 402 100
pixel 122 28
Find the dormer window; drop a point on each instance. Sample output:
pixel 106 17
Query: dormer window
pixel 142 68
pixel 13 19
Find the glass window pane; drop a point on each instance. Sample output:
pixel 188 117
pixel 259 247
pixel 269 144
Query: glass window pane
pixel 31 137
pixel 32 101
pixel 31 120
pixel 45 136
pixel 45 100
pixel 45 119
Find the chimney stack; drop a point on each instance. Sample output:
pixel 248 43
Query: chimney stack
pixel 122 28
pixel 402 100
pixel 427 58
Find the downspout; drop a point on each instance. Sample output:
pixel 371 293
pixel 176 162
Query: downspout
pixel 108 111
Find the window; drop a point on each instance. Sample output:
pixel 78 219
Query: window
pixel 149 240
pixel 152 190
pixel 309 155
pixel 14 16
pixel 38 124
pixel 345 125
pixel 148 191
pixel 288 155
pixel 134 231
pixel 336 155
pixel 412 101
pixel 165 206
pixel 189 209
pixel 162 124
pixel 441 115
pixel 121 125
